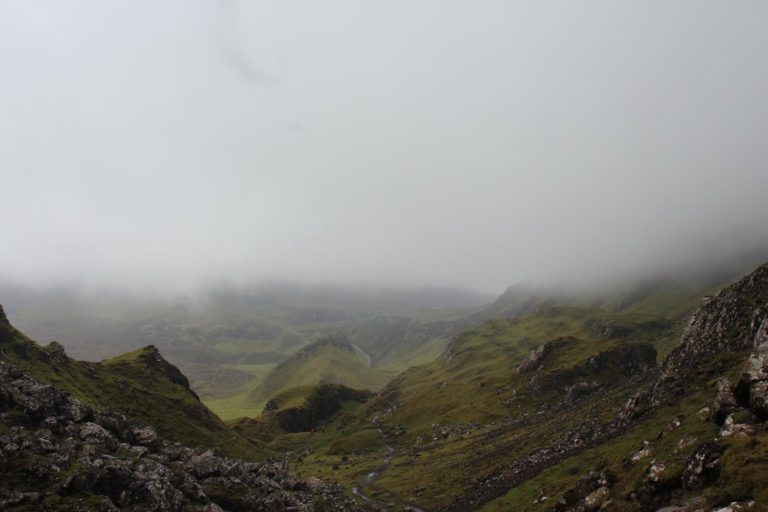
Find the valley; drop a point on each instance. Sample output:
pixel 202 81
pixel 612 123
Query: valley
pixel 229 342
pixel 350 256
pixel 536 393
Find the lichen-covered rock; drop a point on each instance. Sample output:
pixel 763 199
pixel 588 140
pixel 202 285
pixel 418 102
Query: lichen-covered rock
pixel 725 401
pixel 589 492
pixel 645 451
pixel 731 428
pixel 752 388
pixel 736 506
pixel 56 353
pixel 656 471
pixel 146 436
pixel 703 466
pixel 597 499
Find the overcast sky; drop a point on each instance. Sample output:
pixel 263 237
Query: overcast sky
pixel 173 143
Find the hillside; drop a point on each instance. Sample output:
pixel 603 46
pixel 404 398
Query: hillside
pixel 322 429
pixel 542 411
pixel 229 338
pixel 141 384
pixel 633 402
pixel 329 360
pixel 58 454
pixel 695 438
pixel 300 410
pixel 228 342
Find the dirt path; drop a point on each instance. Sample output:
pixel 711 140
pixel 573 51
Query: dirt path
pixel 374 474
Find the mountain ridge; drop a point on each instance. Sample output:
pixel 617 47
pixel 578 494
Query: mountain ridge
pixel 141 384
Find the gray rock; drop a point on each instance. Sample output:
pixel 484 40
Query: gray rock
pixel 725 401
pixel 112 461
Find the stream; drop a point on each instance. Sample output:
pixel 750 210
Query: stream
pixel 374 474
pixel 362 353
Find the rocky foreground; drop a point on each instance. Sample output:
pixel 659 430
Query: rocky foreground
pixel 58 454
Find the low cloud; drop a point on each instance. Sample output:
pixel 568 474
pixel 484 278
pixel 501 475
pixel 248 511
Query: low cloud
pixel 438 143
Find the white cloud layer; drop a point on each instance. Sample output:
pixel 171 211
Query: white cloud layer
pixel 168 144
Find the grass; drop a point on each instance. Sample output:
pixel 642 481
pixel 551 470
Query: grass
pixel 613 456
pixel 324 361
pixel 139 384
pixel 481 372
pixel 476 382
pixel 494 413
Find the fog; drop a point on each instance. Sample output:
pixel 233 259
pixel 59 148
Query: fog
pixel 171 145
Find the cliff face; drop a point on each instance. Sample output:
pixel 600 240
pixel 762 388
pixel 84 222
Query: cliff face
pixel 727 324
pixel 719 335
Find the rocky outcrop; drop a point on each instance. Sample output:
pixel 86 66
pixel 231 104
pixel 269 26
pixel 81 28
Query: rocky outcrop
pixel 630 358
pixel 723 330
pixel 324 401
pixel 3 319
pixel 151 356
pixel 589 494
pixel 725 401
pixel 752 389
pixel 703 466
pixel 56 353
pixel 537 357
pixel 58 454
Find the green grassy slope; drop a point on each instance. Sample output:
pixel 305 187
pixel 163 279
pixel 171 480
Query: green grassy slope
pixel 228 340
pixel 492 398
pixel 330 360
pixel 322 428
pixel 140 384
pixel 300 409
pixel 702 466
pixel 476 379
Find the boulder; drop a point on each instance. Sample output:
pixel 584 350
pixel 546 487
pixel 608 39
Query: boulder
pixel 753 383
pixel 146 436
pixel 725 401
pixel 597 499
pixel 731 428
pixel 703 466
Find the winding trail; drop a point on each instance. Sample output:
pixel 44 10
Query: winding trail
pixel 363 353
pixel 374 474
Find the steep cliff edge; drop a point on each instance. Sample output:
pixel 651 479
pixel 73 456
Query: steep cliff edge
pixel 719 336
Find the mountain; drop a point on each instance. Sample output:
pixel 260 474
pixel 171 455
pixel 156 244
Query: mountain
pixel 635 401
pixel 323 429
pixel 230 339
pixel 58 454
pixel 329 360
pixel 650 397
pixel 299 410
pixel 141 384
pixel 227 339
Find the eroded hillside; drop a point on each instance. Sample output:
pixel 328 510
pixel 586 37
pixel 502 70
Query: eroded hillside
pixel 577 408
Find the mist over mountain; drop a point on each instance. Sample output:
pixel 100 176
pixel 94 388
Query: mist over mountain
pixel 433 256
pixel 169 147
